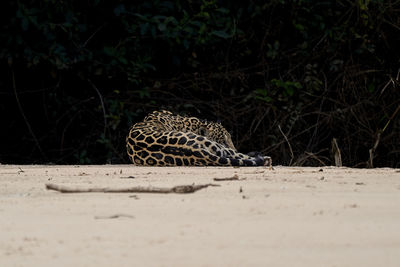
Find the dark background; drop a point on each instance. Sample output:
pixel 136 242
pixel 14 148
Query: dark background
pixel 74 75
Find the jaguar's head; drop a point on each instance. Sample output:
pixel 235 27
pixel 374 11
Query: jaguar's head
pixel 212 130
pixel 216 132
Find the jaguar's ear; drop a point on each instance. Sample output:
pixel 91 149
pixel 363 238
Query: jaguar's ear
pixel 202 131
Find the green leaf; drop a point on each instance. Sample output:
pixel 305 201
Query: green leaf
pixel 297 85
pixel 222 10
pixel 109 51
pixel 167 5
pixel 289 90
pixel 24 24
pixel 222 34
pixel 143 28
pixel 123 60
pixel 119 9
pixel 162 27
pixel 264 98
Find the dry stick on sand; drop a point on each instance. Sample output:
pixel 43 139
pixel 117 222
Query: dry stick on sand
pixel 233 178
pixel 226 179
pixel 115 216
pixel 179 189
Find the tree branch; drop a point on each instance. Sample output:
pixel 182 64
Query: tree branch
pixel 179 189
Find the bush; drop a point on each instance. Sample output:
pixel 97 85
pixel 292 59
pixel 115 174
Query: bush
pixel 78 74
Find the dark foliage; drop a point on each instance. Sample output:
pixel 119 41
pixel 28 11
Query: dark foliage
pixel 76 75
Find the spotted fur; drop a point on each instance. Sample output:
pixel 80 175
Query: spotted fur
pixel 164 139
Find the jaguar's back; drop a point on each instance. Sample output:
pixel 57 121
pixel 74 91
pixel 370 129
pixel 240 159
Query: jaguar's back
pixel 163 139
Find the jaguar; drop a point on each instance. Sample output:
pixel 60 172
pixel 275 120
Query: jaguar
pixel 165 139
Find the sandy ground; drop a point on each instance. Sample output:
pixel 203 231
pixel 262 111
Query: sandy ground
pixel 282 217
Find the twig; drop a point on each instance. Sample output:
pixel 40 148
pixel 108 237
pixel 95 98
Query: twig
pixel 21 110
pixel 91 36
pixel 386 85
pixel 233 178
pixel 290 147
pixel 312 155
pixel 391 118
pixel 370 162
pixel 252 131
pixel 127 177
pixel 115 216
pixel 179 189
pixel 226 179
pixel 304 157
pixel 336 153
pixel 102 105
